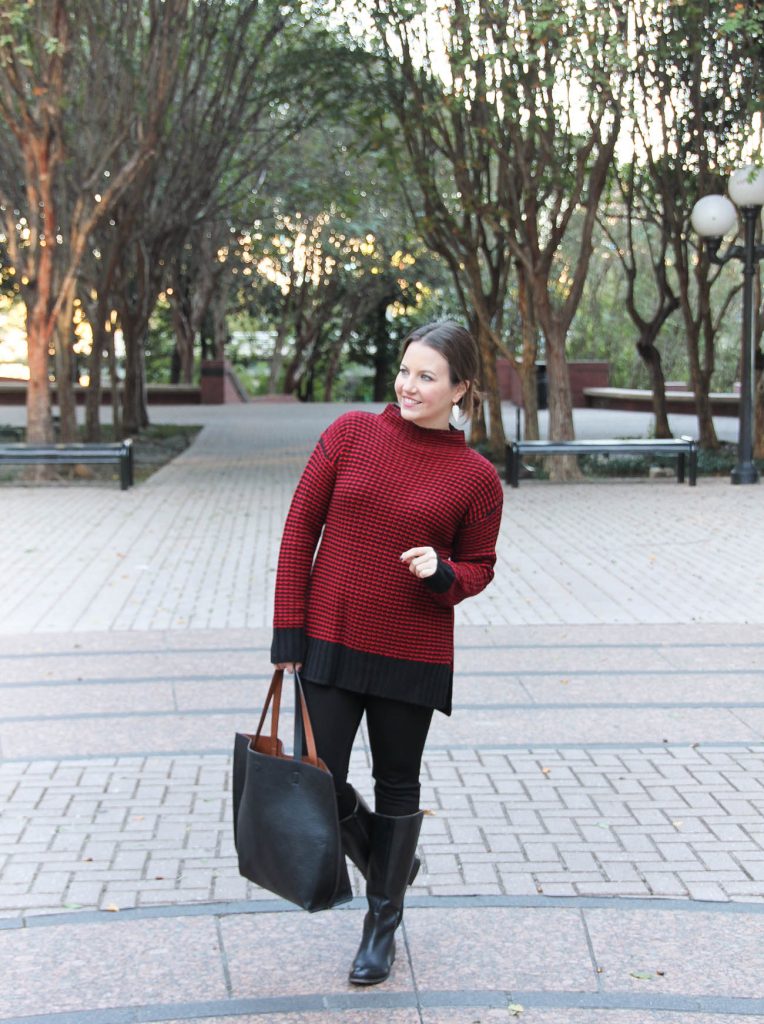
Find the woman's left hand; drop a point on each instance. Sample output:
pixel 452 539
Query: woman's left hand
pixel 422 562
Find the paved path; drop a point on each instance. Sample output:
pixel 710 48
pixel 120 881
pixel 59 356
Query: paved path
pixel 594 850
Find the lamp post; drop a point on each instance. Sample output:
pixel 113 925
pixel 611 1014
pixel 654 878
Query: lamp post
pixel 712 217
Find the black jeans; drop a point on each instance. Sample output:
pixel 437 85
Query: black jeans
pixel 397 735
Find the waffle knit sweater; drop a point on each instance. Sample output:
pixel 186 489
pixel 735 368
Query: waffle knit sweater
pixel 353 613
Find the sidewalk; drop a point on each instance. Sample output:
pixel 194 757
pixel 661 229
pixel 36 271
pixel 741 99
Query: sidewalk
pixel 594 850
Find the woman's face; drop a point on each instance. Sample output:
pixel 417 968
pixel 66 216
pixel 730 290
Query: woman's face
pixel 423 387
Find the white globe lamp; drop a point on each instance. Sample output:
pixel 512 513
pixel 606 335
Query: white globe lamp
pixel 713 216
pixel 746 186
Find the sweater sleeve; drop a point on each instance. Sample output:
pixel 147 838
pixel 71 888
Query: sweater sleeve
pixel 302 532
pixel 470 567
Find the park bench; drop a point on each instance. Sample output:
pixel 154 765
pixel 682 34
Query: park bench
pixel 680 446
pixel 120 454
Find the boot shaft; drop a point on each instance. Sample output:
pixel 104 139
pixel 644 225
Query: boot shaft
pixel 393 849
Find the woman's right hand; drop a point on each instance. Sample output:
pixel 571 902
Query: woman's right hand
pixel 289 666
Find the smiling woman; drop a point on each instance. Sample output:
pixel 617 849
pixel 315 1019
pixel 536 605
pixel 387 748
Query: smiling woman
pixel 439 365
pixel 407 517
pixel 424 389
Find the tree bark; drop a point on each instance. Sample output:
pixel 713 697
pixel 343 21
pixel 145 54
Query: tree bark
pixel 651 357
pixel 116 395
pixel 219 309
pixel 526 368
pixel 700 387
pixel 97 319
pixel 63 334
pixel 39 340
pixel 134 405
pixel 561 467
pixel 490 386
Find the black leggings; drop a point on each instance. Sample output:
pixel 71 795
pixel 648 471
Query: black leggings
pixel 397 735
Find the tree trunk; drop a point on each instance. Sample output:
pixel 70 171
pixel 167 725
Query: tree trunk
pixel 95 365
pixel 487 351
pixel 134 410
pixel 219 322
pixel 184 349
pixel 529 388
pixel 63 334
pixel 558 389
pixel 497 437
pixel 332 366
pixel 305 353
pixel 561 467
pixel 651 357
pixel 526 368
pixel 706 429
pixel 116 404
pixel 39 339
pixel 277 359
pixel 383 370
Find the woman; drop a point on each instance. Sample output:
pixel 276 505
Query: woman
pixel 410 516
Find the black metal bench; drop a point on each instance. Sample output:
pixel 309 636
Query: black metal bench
pixel 682 447
pixel 120 454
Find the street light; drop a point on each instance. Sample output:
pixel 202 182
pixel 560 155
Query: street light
pixel 712 217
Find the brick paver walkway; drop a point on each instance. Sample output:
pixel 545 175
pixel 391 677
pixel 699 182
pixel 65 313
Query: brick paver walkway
pixel 594 849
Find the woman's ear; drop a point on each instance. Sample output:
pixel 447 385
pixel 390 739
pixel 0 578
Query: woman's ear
pixel 459 393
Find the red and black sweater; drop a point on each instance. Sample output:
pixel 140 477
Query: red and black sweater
pixel 356 617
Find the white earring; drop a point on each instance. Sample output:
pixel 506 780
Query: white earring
pixel 456 413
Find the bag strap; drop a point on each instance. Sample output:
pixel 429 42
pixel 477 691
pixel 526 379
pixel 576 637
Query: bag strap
pixel 274 694
pixel 303 730
pixel 304 739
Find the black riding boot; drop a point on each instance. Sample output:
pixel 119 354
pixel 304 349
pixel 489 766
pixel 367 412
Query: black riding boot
pixel 356 837
pixel 393 844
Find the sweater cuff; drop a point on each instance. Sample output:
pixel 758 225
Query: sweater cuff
pixel 441 579
pixel 289 645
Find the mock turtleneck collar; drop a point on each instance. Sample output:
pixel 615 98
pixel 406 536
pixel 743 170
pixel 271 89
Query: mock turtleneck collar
pixel 424 435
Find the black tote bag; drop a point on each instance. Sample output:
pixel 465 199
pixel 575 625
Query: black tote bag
pixel 285 824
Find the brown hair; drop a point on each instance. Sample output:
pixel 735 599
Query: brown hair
pixel 458 348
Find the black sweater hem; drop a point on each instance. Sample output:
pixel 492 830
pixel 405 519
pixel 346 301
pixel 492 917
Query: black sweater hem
pixel 413 682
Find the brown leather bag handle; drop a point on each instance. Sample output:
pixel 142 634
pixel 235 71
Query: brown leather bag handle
pixel 303 727
pixel 307 728
pixel 274 694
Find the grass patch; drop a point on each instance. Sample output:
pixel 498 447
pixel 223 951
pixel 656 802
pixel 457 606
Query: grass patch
pixel 153 448
pixel 711 462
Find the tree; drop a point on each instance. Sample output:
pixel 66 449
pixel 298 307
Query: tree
pixel 457 188
pixel 519 104
pixel 645 232
pixel 329 240
pixel 48 52
pixel 693 83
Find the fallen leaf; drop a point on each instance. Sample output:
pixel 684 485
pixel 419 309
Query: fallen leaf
pixel 111 908
pixel 642 975
pixel 546 771
pixel 88 860
pixel 661 974
pixel 515 1009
